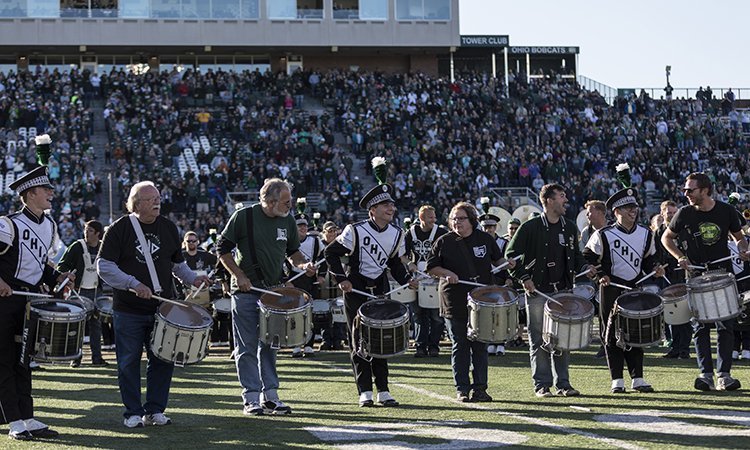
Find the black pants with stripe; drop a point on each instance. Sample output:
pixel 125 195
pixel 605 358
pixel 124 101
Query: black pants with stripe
pixel 616 356
pixel 364 370
pixel 15 380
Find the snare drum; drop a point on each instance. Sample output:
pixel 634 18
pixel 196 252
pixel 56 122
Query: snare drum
pixel 381 329
pixel 88 305
pixel 639 319
pixel 181 333
pixel 713 297
pixel 404 295
pixel 567 324
pixel 427 295
pixel 53 331
pixel 222 305
pixel 676 308
pixel 337 310
pixel 585 291
pixel 104 308
pixel 743 320
pixel 322 317
pixel 493 314
pixel 286 320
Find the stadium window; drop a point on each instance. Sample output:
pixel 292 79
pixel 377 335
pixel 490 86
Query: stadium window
pixel 43 8
pixel 165 9
pixel 134 9
pixel 309 9
pixel 423 9
pixel 373 9
pixel 196 9
pixel 225 9
pixel 345 9
pixel 13 8
pixel 282 9
pixel 249 9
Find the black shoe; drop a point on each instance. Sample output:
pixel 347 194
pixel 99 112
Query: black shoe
pixel 338 346
pixel 601 353
pixel 421 352
pixel 685 356
pixel 670 355
pixel 75 363
pixel 619 390
pixel 463 397
pixel 645 388
pixel 45 433
pixel 99 363
pixel 326 347
pixel 480 396
pixel 25 435
pixel 434 352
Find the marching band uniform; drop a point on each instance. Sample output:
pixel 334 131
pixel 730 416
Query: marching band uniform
pixel 371 249
pixel 25 241
pixel 622 253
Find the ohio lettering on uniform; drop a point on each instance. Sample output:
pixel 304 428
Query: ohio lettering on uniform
pixel 620 252
pixel 738 265
pixel 375 248
pixel 26 238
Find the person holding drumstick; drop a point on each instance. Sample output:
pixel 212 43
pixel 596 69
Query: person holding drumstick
pixel 25 240
pixel 551 258
pixel 623 249
pixel 253 247
pixel 139 255
pixel 707 223
pixel 465 254
pixel 372 246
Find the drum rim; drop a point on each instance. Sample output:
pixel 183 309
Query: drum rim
pixel 509 303
pixel 59 316
pixel 645 314
pixel 266 310
pixel 710 282
pixel 201 311
pixel 396 321
pixel 387 355
pixel 568 318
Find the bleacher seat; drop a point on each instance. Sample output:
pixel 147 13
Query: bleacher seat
pixel 23 133
pixel 10 177
pixel 11 146
pixel 32 132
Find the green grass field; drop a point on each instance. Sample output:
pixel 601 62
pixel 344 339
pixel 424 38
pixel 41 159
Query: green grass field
pixel 205 406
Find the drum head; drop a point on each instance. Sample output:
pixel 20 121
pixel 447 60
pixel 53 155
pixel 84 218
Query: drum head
pixel 104 304
pixel 494 295
pixel 223 304
pixel 187 315
pixel 570 306
pixel 86 302
pixel 674 291
pixel 639 301
pixel 291 298
pixel 584 290
pixel 382 309
pixel 57 307
pixel 711 281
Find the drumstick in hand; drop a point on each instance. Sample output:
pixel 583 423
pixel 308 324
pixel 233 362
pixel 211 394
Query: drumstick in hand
pixel 720 260
pixel 31 294
pixel 587 271
pixel 471 283
pixel 651 274
pixel 505 264
pixel 62 284
pixel 357 291
pixel 548 297
pixel 162 299
pixel 302 272
pixel 200 288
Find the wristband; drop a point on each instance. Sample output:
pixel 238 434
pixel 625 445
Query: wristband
pixel 682 258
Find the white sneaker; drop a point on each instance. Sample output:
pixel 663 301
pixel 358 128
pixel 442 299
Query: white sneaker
pixel 500 350
pixel 156 419
pixel 491 349
pixel 736 355
pixel 386 399
pixel 309 351
pixel 745 354
pixel 365 398
pixel 19 432
pixel 134 422
pixel 296 352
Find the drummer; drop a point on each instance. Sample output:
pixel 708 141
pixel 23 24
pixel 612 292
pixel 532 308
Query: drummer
pixel 334 335
pixel 372 246
pixel 465 254
pixel 419 239
pixel 135 275
pixel 624 249
pixel 80 255
pixel 707 223
pixel 550 259
pixel 24 269
pixel 253 247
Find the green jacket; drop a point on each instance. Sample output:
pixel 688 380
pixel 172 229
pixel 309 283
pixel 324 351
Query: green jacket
pixel 531 241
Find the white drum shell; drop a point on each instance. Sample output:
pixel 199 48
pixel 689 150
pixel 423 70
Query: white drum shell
pixel 405 295
pixel 676 310
pixel 566 333
pixel 179 344
pixel 492 322
pixel 337 309
pixel 716 300
pixel 427 295
pixel 223 305
pixel 285 329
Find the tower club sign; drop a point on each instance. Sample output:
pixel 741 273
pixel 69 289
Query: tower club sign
pixel 484 41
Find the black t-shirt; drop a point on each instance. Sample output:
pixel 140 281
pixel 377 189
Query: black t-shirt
pixel 452 252
pixel 200 261
pixel 120 245
pixel 556 248
pixel 707 231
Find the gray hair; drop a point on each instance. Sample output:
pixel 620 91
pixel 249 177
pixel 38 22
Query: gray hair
pixel 271 190
pixel 134 195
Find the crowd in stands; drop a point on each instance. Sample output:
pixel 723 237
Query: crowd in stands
pixel 202 134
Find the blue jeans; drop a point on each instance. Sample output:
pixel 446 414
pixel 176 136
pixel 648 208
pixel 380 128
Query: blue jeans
pixel 428 327
pixel 132 332
pixel 465 353
pixel 255 361
pixel 546 367
pixel 724 346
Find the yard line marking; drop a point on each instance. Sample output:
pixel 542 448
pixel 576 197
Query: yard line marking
pixel 532 420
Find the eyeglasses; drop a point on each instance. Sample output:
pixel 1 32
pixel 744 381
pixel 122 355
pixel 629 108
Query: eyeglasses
pixel 687 191
pixel 458 219
pixel 191 241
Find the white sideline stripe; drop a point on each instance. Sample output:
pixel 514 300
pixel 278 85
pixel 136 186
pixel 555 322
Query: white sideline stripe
pixel 540 422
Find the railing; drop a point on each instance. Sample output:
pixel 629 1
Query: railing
pixel 608 92
pixel 237 200
pixel 717 93
pixel 519 196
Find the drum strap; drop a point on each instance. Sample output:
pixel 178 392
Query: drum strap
pixel 146 253
pixel 251 240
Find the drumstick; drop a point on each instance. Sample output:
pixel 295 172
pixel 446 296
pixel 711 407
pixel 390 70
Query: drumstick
pixel 302 272
pixel 265 291
pixel 651 274
pixel 62 284
pixel 357 291
pixel 717 261
pixel 587 271
pixel 396 290
pixel 503 265
pixel 743 278
pixel 690 266
pixel 621 286
pixel 31 294
pixel 667 279
pixel 471 283
pixel 547 297
pixel 200 288
pixel 165 299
